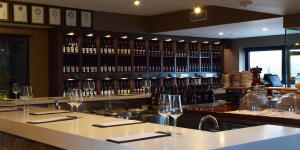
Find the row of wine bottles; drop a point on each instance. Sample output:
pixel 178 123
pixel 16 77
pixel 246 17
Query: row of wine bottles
pixel 217 66
pixel 204 51
pixel 195 94
pixel 70 45
pixel 88 47
pixel 215 52
pixel 70 65
pixel 154 65
pixel 180 50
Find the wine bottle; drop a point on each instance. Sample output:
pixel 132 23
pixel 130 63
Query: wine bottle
pixel 118 48
pixel 91 66
pixel 122 48
pixel 64 66
pixel 125 48
pixel 83 45
pixel 68 67
pixel 112 48
pixel 108 48
pixel 87 48
pixel 76 66
pixel 102 47
pixel 76 46
pixel 72 49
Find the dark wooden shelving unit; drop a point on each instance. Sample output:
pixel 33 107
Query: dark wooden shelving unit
pixel 56 56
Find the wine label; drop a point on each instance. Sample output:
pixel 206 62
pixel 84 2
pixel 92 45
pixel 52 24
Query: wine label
pixel 87 50
pixel 121 68
pixel 119 91
pixel 64 49
pixel 119 51
pixel 105 92
pixel 122 91
pixel 87 93
pixel 112 51
pixel 72 49
pixel 105 69
pixel 101 93
pixel 101 69
pixel 109 69
pixel 91 69
pixel 125 51
pixel 125 69
pixel 108 92
pixel 101 50
pixel 83 68
pixel 112 92
pixel 83 93
pixel 105 50
pixel 122 51
pixel 95 69
pixel 87 69
pixel 113 69
pixel 95 92
pixel 128 91
pixel 91 50
pixel 64 68
pixel 68 69
pixel 68 50
pixel 77 68
pixel 109 50
pixel 129 69
pixel 76 49
pixel 95 50
pixel 128 52
pixel 83 50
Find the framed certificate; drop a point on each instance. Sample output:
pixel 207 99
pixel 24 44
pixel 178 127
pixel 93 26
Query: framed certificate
pixel 38 14
pixel 71 17
pixel 20 13
pixel 86 19
pixel 4 11
pixel 54 16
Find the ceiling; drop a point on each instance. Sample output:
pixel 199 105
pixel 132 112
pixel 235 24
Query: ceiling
pixel 154 7
pixel 240 30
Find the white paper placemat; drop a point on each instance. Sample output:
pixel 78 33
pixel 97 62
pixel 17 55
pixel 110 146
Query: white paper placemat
pixel 136 137
pixel 118 123
pixel 50 120
pixel 50 112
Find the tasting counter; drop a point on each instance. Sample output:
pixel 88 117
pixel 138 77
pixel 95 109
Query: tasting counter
pixel 79 134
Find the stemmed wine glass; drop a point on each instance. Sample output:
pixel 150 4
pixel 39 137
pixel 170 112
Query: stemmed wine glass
pixel 175 111
pixel 77 98
pixel 70 99
pixel 24 95
pixel 92 87
pixel 144 84
pixel 86 87
pixel 30 95
pixel 16 89
pixel 164 108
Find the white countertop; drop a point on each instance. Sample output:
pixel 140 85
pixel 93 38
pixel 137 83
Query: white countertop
pixel 79 134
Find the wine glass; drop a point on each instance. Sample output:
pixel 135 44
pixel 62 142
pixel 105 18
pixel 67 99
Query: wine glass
pixel 148 86
pixel 30 95
pixel 70 99
pixel 16 89
pixel 86 87
pixel 164 108
pixel 92 87
pixel 77 98
pixel 144 84
pixel 24 95
pixel 175 111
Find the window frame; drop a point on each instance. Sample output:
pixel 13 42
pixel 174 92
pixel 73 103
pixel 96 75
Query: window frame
pixel 267 48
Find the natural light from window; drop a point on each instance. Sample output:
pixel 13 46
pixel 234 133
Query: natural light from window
pixel 269 61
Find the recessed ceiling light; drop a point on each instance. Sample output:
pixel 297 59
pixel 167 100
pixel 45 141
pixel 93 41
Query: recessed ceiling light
pixel 297 44
pixel 205 42
pixel 217 42
pixel 181 40
pixel 265 29
pixel 71 33
pixel 136 2
pixel 140 38
pixel 221 33
pixel 168 40
pixel 154 39
pixel 194 41
pixel 197 8
pixel 90 35
pixel 107 36
pixel 124 37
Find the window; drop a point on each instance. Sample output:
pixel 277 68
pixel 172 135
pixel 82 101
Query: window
pixel 270 59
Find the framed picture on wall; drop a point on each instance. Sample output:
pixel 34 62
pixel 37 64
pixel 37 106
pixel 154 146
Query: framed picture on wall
pixel 4 11
pixel 71 17
pixel 55 15
pixel 86 19
pixel 20 13
pixel 38 15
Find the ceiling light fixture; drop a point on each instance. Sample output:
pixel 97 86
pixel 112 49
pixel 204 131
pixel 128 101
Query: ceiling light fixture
pixel 168 40
pixel 124 37
pixel 205 42
pixel 136 2
pixel 194 41
pixel 108 36
pixel 154 39
pixel 217 42
pixel 71 33
pixel 297 44
pixel 140 38
pixel 197 8
pixel 181 40
pixel 265 29
pixel 90 35
pixel 221 33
